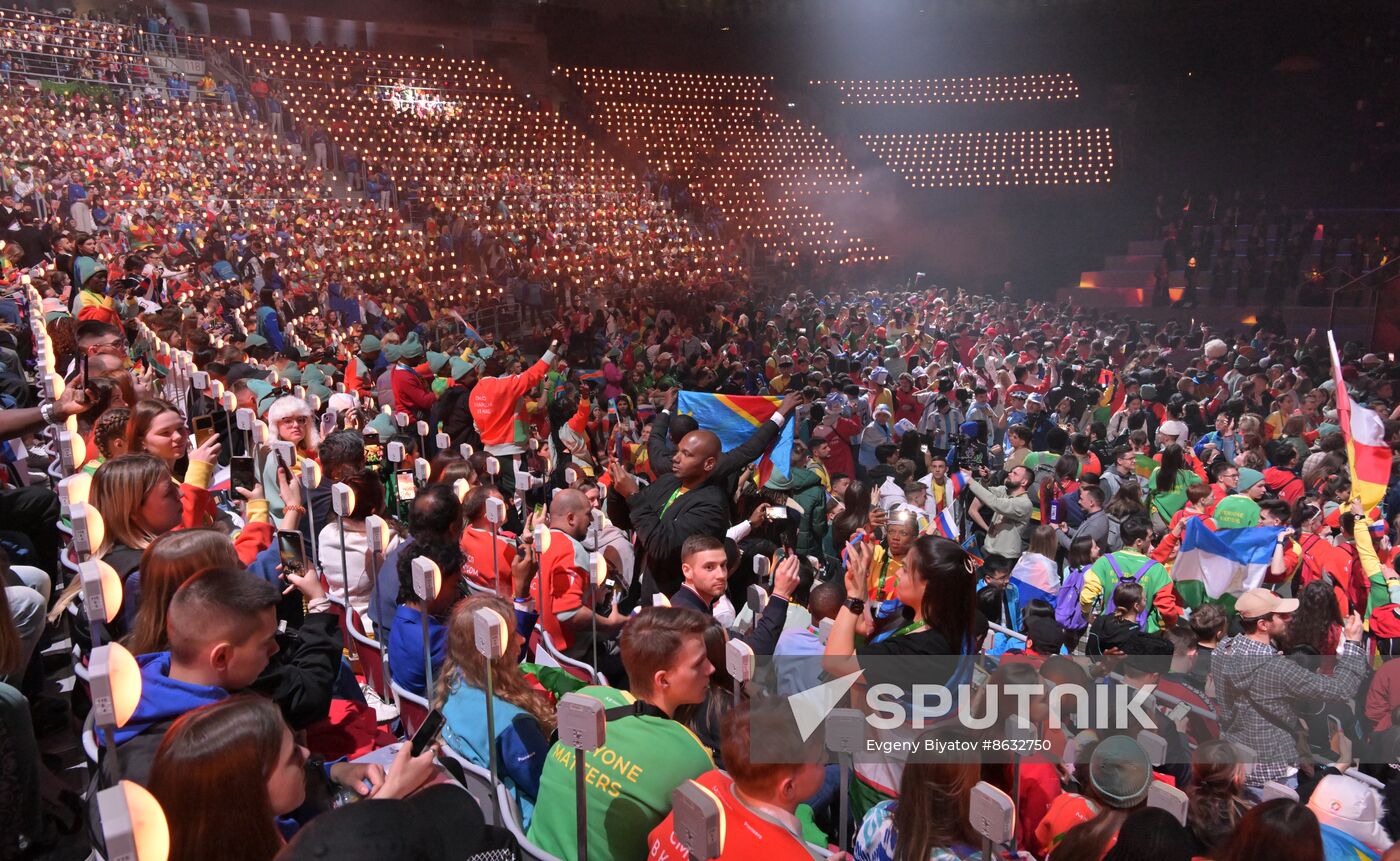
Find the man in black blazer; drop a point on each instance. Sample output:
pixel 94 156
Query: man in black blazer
pixel 705 566
pixel 688 497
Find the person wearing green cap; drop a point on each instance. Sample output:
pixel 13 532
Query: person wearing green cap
pixel 253 394
pixel 453 410
pixel 370 353
pixel 411 393
pixel 94 303
pixel 383 424
pixel 1241 508
pixel 440 365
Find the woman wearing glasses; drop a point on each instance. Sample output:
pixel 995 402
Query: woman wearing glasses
pixel 290 419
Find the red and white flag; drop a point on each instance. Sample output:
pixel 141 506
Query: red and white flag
pixel 1365 435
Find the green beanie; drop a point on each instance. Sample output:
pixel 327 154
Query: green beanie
pixel 437 361
pixel 385 425
pixel 261 389
pixel 460 368
pixel 369 344
pixel 411 349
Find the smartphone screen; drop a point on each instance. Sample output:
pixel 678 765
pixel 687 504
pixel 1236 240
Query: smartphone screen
pixel 374 453
pixel 427 733
pixel 203 428
pixel 291 549
pixel 404 483
pixel 242 472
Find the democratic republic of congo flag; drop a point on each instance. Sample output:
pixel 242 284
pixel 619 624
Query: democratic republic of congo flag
pixel 734 418
pixel 1365 436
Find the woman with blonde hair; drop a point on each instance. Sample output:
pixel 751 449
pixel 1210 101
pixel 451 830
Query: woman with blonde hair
pixel 524 716
pixel 139 502
pixel 290 419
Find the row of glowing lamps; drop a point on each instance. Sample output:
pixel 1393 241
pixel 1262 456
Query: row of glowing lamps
pixel 465 82
pixel 1059 179
pixel 1035 134
pixel 320 53
pixel 133 824
pixel 372 258
pixel 404 272
pixel 76 25
pixel 593 73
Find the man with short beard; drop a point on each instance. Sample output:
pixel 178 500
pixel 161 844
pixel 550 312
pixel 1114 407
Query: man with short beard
pixel 1011 510
pixel 1257 689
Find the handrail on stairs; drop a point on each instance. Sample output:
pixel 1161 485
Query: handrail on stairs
pixel 1360 282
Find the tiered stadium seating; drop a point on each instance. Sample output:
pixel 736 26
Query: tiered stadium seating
pixel 515 170
pixel 768 173
pixel 957 91
pixel 989 159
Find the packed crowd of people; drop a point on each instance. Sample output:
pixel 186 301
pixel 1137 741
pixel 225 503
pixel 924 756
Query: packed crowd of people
pixel 307 475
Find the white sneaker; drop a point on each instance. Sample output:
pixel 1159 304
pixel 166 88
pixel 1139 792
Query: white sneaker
pixel 382 711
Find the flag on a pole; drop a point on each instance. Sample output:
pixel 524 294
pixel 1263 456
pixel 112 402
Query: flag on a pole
pixel 734 418
pixel 1364 431
pixel 957 479
pixel 945 525
pixel 1226 562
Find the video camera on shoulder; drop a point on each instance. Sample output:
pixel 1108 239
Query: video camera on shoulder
pixel 970 452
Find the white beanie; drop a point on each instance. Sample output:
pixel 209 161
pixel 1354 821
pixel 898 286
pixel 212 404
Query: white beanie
pixel 1348 804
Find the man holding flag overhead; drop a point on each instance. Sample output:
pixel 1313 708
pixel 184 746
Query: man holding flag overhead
pixel 689 496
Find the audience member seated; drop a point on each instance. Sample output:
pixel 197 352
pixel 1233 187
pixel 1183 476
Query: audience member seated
pixel 647 753
pixel 769 771
pixel 524 715
pixel 222 626
pixel 568 608
pixel 240 747
pixel 406 637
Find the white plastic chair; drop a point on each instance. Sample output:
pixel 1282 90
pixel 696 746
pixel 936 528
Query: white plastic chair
pixel 510 818
pixel 549 655
pixel 475 588
pixel 413 709
pixel 478 783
